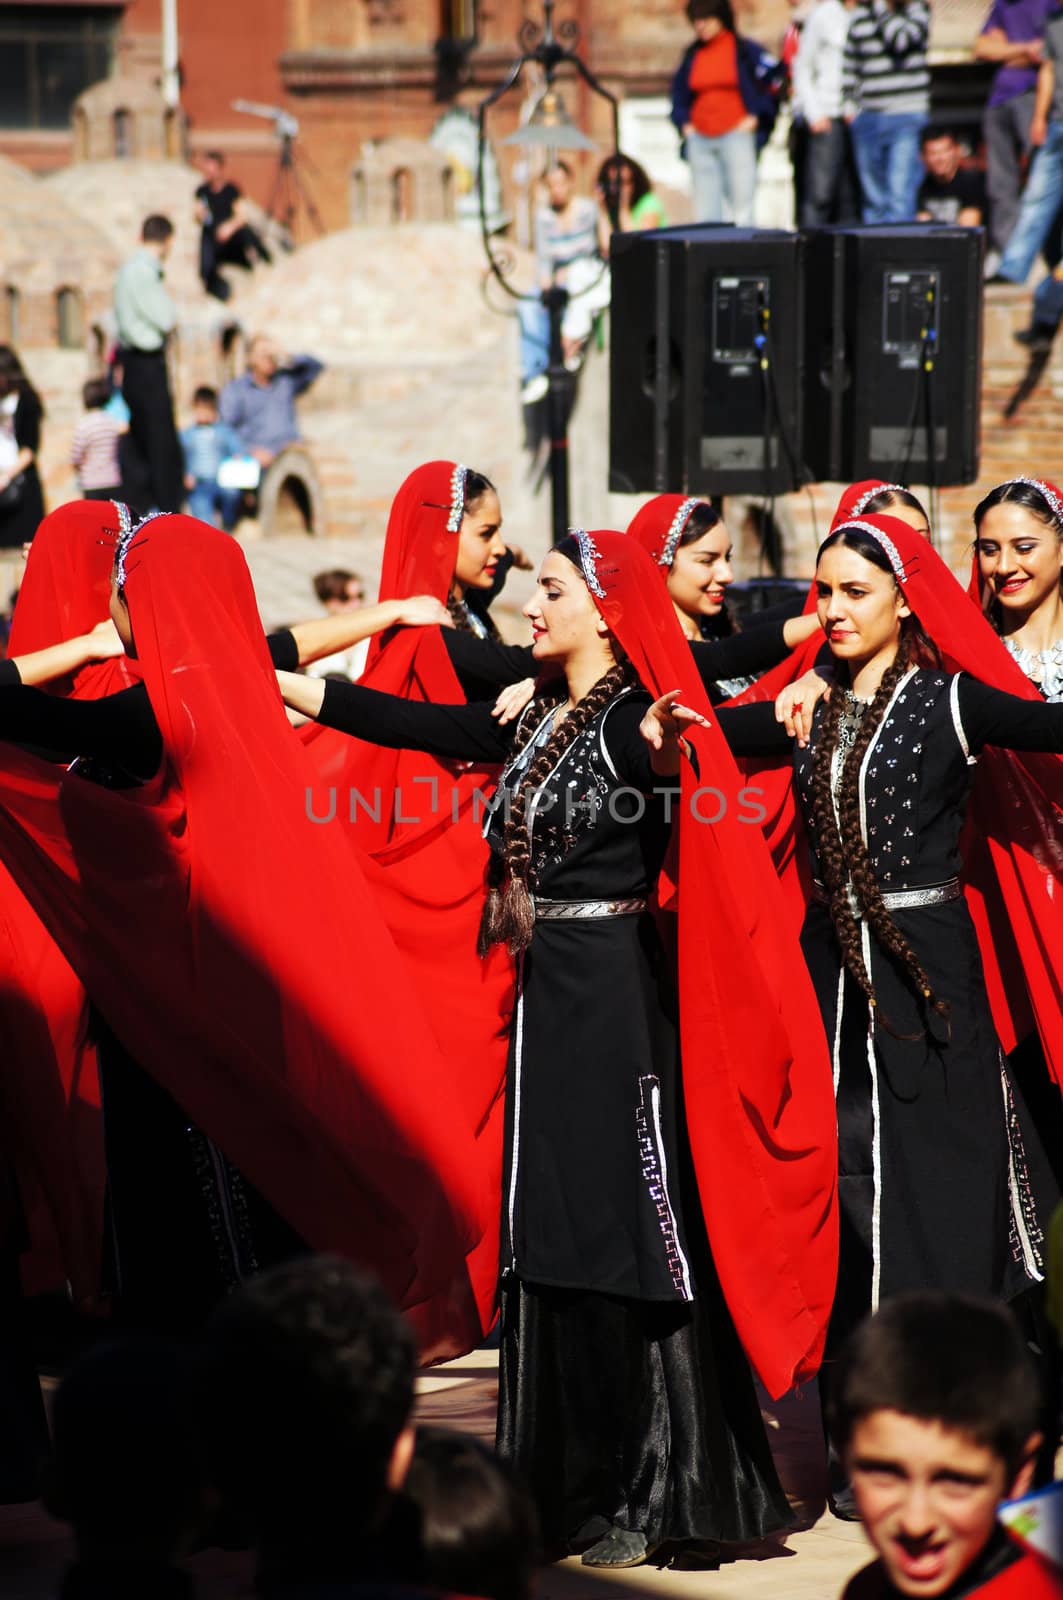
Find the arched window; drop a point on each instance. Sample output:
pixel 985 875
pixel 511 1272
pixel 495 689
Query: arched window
pixel 70 324
pixel 402 195
pixel 124 134
pixel 13 317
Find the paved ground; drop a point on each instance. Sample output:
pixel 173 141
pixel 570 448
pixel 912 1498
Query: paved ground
pixel 811 1565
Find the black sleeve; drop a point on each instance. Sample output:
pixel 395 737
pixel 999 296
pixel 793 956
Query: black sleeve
pixel 484 666
pixel 120 727
pixel 628 750
pixel 28 421
pixel 742 654
pixel 989 716
pixel 782 611
pixel 9 674
pixel 283 650
pixel 462 733
pixel 753 730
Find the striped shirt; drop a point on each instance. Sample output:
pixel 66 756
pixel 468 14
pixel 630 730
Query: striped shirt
pixel 94 451
pixel 885 57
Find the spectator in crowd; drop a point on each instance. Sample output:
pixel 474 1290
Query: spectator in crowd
pixel 566 253
pixel 886 89
pixel 829 191
pixel 479 1530
pixel 1013 37
pixel 21 412
pixel 260 404
pixel 1043 194
pixel 936 1407
pixel 308 1389
pixel 949 192
pixel 340 591
pixel 724 106
pixel 226 237
pixel 94 448
pixel 206 443
pixel 146 316
pixel 626 201
pixel 128 1470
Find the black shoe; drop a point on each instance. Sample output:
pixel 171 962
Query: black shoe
pixel 996 282
pixel 619 1548
pixel 1037 338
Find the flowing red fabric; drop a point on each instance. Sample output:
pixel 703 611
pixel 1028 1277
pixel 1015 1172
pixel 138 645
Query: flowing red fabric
pixel 424 853
pixel 234 946
pixel 1013 843
pixel 756 1072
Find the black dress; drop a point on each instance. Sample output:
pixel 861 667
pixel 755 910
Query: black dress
pixel 185 1225
pixel 938 1187
pixel 625 1397
pixel 21 521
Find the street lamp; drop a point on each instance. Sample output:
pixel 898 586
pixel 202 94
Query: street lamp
pixel 548 128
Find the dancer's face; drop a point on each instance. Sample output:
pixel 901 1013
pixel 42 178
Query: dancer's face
pixel 480 543
pixel 860 607
pixel 564 618
pixel 701 573
pixel 120 617
pixel 914 517
pixel 1019 557
pixel 927 1496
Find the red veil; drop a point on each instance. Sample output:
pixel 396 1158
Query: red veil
pixel 235 948
pixel 1013 856
pixel 425 856
pixel 756 1073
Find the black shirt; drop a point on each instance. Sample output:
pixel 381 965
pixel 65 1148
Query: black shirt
pixel 944 199
pixel 221 203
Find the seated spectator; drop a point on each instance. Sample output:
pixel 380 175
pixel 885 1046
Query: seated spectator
pixel 227 237
pixel 479 1529
pixel 626 201
pixel 308 1389
pixel 340 591
pixel 949 192
pixel 936 1409
pixel 127 1472
pixel 206 443
pixel 724 102
pixel 260 404
pixel 94 449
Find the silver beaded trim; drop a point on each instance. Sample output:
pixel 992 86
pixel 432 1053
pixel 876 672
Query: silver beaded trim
pixel 586 910
pixel 935 894
pixel 1044 489
pixel 457 498
pixel 127 530
pixel 869 494
pixel 589 556
pixel 675 532
pixel 892 553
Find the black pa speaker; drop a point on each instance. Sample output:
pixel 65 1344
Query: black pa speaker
pixel 893 359
pixel 707 361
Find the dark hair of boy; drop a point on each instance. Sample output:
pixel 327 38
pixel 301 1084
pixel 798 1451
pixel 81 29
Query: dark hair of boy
pixel 205 396
pixel 332 585
pixel 948 1358
pixel 156 229
pixel 479 1530
pixel 308 1388
pixel 95 393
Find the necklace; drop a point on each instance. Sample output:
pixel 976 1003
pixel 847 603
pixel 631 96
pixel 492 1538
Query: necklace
pixel 849 723
pixel 1042 667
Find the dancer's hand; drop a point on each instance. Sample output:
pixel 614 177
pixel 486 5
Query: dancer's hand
pixel 512 700
pixel 798 701
pixel 102 642
pixel 424 611
pixel 662 728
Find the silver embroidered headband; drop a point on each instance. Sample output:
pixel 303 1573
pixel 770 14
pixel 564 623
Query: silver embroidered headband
pixel 892 553
pixel 869 494
pixel 589 556
pixel 675 532
pixel 1044 489
pixel 457 498
pixel 127 529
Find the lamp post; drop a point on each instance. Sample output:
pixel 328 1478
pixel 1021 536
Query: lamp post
pixel 549 128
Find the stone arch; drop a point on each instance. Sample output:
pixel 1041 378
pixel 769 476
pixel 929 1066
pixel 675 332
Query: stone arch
pixel 81 134
pixel 450 204
pixel 69 319
pixel 124 133
pixel 403 195
pixel 13 314
pixel 290 496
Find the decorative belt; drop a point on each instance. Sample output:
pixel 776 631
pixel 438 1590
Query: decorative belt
pixel 585 910
pixel 933 894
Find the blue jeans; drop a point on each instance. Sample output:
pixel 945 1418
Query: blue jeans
pixel 886 147
pixel 208 500
pixel 534 337
pixel 1048 303
pixel 724 173
pixel 1040 202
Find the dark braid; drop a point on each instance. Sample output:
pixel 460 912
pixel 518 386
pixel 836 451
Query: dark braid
pixel 508 914
pixel 843 853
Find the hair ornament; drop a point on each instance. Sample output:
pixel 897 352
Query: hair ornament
pixel 893 555
pixel 675 532
pixel 589 556
pixel 1044 489
pixel 127 530
pixel 861 505
pixel 457 498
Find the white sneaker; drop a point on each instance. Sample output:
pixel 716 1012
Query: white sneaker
pixel 992 262
pixel 535 389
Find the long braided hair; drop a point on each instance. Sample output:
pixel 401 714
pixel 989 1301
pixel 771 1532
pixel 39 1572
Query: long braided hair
pixel 843 854
pixel 509 914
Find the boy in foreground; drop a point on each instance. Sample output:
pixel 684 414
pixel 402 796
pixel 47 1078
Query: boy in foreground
pixel 935 1408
